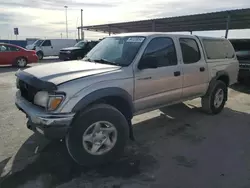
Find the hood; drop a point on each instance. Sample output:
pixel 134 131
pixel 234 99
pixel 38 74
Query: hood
pixel 71 48
pixel 30 46
pixel 61 72
pixel 243 56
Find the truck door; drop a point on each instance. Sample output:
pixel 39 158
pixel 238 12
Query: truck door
pixel 194 67
pixel 47 48
pixel 158 78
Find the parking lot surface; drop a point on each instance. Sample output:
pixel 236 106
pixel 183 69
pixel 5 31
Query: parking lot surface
pixel 175 147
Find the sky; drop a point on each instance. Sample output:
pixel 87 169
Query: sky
pixel 46 18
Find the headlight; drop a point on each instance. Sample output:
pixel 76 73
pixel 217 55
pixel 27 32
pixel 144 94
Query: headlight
pixel 68 52
pixel 41 98
pixel 50 102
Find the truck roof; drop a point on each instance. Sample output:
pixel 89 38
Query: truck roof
pixel 55 39
pixel 146 34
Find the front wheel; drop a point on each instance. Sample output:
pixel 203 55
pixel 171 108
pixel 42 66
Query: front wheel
pixel 39 55
pixel 214 101
pixel 98 135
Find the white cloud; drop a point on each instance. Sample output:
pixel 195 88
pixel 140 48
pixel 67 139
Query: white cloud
pixel 45 18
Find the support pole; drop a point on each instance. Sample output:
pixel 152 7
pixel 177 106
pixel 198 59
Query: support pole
pixel 191 32
pixel 66 14
pixel 153 25
pixel 228 25
pixel 78 33
pixel 109 31
pixel 82 33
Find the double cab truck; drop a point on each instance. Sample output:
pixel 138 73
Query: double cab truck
pixel 90 102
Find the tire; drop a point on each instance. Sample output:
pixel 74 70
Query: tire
pixel 40 55
pixel 208 101
pixel 83 123
pixel 78 57
pixel 21 62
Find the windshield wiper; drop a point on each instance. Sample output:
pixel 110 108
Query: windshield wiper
pixel 87 59
pixel 104 61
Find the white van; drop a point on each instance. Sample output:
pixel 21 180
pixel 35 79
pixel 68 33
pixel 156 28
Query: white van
pixel 50 47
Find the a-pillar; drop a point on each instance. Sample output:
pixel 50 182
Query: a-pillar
pixel 228 25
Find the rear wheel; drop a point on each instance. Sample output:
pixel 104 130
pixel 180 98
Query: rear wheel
pixel 21 62
pixel 214 101
pixel 98 135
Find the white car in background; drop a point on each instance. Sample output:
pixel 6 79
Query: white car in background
pixel 50 47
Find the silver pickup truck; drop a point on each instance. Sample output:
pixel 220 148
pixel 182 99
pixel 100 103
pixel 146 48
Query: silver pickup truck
pixel 91 102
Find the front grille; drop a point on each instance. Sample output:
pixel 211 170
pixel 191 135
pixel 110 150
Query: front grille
pixel 27 91
pixel 63 56
pixel 244 66
pixel 63 51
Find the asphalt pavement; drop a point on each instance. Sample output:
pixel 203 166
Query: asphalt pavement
pixel 175 147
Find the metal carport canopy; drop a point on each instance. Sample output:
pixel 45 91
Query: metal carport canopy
pixel 223 20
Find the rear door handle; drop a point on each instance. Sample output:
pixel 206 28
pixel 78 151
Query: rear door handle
pixel 202 69
pixel 177 73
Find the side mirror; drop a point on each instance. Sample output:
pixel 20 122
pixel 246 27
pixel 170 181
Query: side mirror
pixel 148 63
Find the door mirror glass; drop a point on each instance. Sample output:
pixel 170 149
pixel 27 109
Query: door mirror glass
pixel 148 62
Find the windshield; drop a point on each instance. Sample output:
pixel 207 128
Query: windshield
pixel 38 42
pixel 241 45
pixel 116 50
pixel 80 44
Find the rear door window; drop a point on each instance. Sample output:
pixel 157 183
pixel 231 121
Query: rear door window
pixel 13 49
pixel 190 50
pixel 218 49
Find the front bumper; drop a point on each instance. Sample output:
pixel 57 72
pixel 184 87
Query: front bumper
pixel 65 56
pixel 244 73
pixel 33 59
pixel 52 126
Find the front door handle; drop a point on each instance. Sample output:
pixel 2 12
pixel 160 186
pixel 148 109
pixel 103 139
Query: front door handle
pixel 145 78
pixel 177 73
pixel 202 69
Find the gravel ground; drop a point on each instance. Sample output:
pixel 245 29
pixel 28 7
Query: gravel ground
pixel 175 147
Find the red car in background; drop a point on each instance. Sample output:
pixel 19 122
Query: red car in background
pixel 15 55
